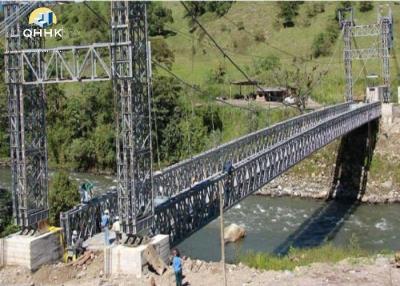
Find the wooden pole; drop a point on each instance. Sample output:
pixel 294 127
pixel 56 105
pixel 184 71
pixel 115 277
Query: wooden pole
pixel 221 213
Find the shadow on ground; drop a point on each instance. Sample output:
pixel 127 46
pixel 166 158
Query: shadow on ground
pixel 348 186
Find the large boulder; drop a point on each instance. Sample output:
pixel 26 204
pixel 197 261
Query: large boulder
pixel 233 233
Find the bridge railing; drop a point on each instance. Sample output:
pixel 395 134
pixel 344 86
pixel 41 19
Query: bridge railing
pixel 182 175
pixel 193 208
pixel 85 218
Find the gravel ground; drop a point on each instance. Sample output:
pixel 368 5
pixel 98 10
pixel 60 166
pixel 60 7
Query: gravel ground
pixel 365 271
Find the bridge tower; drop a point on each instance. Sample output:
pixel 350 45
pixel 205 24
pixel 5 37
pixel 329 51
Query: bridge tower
pixel 26 108
pixel 383 29
pixel 27 72
pixel 131 89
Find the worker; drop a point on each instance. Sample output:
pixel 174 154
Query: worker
pixel 82 191
pixel 117 229
pixel 86 192
pixel 77 244
pixel 177 266
pixel 105 224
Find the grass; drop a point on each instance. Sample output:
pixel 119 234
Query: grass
pixel 260 17
pixel 326 253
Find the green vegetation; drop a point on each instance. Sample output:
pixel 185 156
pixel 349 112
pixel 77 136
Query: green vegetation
pixel 80 117
pixel 288 10
pixel 6 222
pixel 63 195
pixel 365 6
pixel 300 257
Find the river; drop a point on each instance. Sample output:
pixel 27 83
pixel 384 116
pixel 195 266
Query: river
pixel 274 223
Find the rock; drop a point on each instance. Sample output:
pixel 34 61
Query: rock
pixel 387 184
pixel 233 233
pixel 101 273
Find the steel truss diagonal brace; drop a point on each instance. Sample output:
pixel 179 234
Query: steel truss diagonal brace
pixel 192 209
pixel 69 64
pixel 134 156
pixel 28 145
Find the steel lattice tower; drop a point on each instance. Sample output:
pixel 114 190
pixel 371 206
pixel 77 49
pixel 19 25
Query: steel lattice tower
pixel 348 60
pixel 134 157
pixel 26 107
pixel 383 29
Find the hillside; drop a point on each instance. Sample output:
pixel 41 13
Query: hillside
pixel 237 31
pixel 81 119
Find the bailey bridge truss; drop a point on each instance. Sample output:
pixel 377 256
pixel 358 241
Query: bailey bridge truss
pixel 187 193
pixel 183 212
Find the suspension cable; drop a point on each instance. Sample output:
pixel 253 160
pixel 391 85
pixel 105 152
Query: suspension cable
pixel 219 47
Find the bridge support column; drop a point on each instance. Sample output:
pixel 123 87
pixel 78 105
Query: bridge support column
pixel 122 259
pixel 31 251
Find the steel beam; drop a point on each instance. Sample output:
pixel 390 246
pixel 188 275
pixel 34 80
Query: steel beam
pixel 85 218
pixel 70 64
pixel 28 145
pixel 131 82
pixel 195 207
pixel 192 208
pixel 182 175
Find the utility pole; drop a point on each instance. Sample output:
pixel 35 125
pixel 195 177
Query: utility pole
pixel 221 215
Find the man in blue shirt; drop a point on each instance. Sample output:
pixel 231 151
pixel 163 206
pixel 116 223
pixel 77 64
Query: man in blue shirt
pixel 105 224
pixel 177 265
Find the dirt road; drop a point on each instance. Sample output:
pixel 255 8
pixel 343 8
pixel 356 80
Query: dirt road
pixel 357 272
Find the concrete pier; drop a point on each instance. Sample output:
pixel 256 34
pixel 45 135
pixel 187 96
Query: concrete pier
pixel 121 259
pixel 31 251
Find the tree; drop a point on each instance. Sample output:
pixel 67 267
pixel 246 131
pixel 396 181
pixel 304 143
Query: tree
pixel 63 195
pixel 5 209
pixel 198 8
pixel 299 81
pixel 288 10
pixel 161 53
pixel 158 17
pixel 365 6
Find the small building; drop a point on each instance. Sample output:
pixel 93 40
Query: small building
pixel 272 93
pixel 376 93
pixel 244 90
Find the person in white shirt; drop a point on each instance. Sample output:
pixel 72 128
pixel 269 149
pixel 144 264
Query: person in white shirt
pixel 117 229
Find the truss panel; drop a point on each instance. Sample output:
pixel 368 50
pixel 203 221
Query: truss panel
pixel 28 144
pixel 134 157
pixel 195 206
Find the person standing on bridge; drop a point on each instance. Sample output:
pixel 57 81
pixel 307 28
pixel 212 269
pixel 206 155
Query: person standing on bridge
pixel 117 229
pixel 105 225
pixel 177 266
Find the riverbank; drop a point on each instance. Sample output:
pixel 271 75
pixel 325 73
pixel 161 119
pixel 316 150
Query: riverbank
pixel 317 176
pixel 377 270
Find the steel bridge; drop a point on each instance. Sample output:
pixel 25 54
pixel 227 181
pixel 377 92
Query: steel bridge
pixel 256 159
pixel 177 200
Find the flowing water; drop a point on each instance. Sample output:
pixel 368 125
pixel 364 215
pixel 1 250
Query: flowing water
pixel 272 224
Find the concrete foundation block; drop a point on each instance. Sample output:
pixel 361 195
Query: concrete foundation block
pixel 31 251
pixel 122 259
pixel 387 113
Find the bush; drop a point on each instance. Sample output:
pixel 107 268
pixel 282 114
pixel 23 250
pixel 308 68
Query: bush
pixel 321 45
pixel 365 6
pixel 240 26
pixel 288 10
pixel 5 210
pixel 324 41
pixel 63 195
pixel 259 36
pixel 300 257
pixel 314 9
